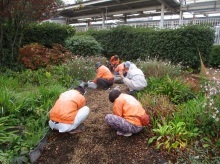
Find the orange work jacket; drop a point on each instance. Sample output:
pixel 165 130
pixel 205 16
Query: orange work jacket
pixel 113 61
pixel 67 106
pixel 120 69
pixel 103 72
pixel 127 107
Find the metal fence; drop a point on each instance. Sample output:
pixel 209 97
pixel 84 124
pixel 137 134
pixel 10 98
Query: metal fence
pixel 213 22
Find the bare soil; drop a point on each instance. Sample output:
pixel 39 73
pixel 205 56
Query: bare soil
pixel 98 143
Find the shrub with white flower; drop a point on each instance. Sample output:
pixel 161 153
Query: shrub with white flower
pixel 212 92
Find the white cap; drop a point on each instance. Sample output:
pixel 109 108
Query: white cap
pixel 127 64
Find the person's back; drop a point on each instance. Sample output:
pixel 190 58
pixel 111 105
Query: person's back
pixel 128 114
pixel 135 79
pixel 120 69
pixel 103 72
pixel 104 78
pixel 66 106
pixel 69 111
pixel 132 66
pixel 129 108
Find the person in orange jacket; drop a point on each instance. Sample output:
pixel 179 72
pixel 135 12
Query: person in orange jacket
pixel 104 78
pixel 113 62
pixel 121 70
pixel 69 111
pixel 127 114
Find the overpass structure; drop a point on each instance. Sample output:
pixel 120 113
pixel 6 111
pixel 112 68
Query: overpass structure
pixel 125 10
pixel 103 10
pixel 98 13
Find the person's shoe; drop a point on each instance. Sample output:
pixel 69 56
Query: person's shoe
pixel 79 129
pixel 124 134
pixel 117 88
pixel 107 88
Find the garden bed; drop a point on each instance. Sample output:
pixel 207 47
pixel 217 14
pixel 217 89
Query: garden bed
pixel 99 143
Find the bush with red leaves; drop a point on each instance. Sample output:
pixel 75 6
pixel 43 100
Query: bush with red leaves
pixel 35 56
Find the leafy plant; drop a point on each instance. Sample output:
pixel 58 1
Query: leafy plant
pixel 83 45
pixel 158 106
pixel 171 136
pixel 35 56
pixel 176 90
pixel 47 33
pixel 215 61
pixel 192 113
pixel 7 133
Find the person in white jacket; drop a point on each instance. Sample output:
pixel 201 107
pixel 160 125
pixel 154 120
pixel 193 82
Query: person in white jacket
pixel 135 79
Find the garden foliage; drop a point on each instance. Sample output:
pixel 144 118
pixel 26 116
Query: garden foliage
pixel 83 45
pixel 179 118
pixel 35 56
pixel 47 33
pixel 215 56
pixel 14 18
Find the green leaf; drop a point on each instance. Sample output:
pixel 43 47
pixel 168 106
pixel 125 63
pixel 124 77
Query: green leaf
pixel 151 139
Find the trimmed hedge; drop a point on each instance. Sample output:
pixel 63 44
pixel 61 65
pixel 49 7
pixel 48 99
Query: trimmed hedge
pixel 215 56
pixel 47 33
pixel 180 46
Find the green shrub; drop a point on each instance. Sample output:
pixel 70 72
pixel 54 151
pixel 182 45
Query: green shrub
pixel 47 33
pixel 215 56
pixel 83 45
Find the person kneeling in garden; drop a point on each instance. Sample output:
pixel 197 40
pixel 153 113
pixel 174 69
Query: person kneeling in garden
pixel 69 111
pixel 113 62
pixel 128 114
pixel 135 79
pixel 104 78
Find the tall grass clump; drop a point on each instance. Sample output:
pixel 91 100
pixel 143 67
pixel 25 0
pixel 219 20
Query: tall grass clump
pixel 157 68
pixel 83 68
pixel 25 99
pixel 176 90
pixel 192 113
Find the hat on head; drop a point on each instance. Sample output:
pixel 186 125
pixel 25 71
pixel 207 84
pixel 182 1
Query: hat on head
pixel 127 64
pixel 80 89
pixel 114 95
pixel 116 57
pixel 98 64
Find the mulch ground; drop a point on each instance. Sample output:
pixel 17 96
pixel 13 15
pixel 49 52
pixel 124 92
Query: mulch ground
pixel 98 143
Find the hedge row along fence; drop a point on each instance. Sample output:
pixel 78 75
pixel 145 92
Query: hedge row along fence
pixel 180 46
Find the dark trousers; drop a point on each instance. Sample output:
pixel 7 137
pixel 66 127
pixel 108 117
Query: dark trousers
pixel 104 83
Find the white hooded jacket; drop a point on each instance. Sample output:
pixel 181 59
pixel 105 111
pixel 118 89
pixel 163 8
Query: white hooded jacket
pixel 137 78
